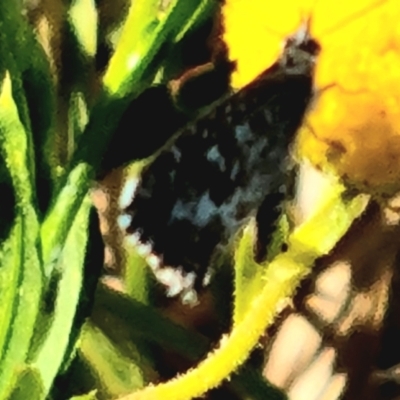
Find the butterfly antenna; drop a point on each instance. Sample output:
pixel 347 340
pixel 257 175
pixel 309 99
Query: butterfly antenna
pixel 304 31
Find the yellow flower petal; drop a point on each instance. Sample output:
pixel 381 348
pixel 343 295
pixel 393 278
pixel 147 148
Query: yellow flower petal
pixel 354 124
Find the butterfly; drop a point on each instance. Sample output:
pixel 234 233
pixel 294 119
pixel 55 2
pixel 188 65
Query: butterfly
pixel 220 170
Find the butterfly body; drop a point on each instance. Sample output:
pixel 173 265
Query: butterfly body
pixel 190 201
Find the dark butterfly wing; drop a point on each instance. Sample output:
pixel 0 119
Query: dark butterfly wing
pixel 200 190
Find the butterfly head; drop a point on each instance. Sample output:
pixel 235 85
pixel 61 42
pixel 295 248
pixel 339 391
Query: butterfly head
pixel 300 51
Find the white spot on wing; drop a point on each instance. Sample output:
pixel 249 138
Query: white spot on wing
pixel 206 208
pixel 177 153
pixel 128 192
pixel 132 239
pixel 188 280
pixel 247 197
pixel 124 221
pixel 176 280
pixel 174 289
pixel 172 279
pixel 144 249
pixel 154 262
pixel 189 297
pixel 243 133
pixel 183 210
pixel 256 150
pixel 235 170
pixel 214 155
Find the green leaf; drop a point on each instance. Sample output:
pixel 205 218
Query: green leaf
pixel 136 276
pixel 26 261
pixel 116 374
pixel 9 63
pixel 50 355
pixel 144 321
pixel 78 118
pixel 29 386
pixel 10 274
pixel 56 226
pixel 136 272
pixel 329 220
pixel 15 146
pixel 24 57
pixel 85 28
pixel 133 59
pixel 144 17
pixel 249 276
pixel 248 273
pixel 25 307
pixel 87 396
pixel 202 12
pixel 129 318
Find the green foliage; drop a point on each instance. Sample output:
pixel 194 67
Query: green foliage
pixel 45 258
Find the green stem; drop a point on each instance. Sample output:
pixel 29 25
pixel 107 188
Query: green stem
pixel 281 280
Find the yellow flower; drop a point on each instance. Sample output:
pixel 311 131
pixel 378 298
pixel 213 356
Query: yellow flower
pixel 354 124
